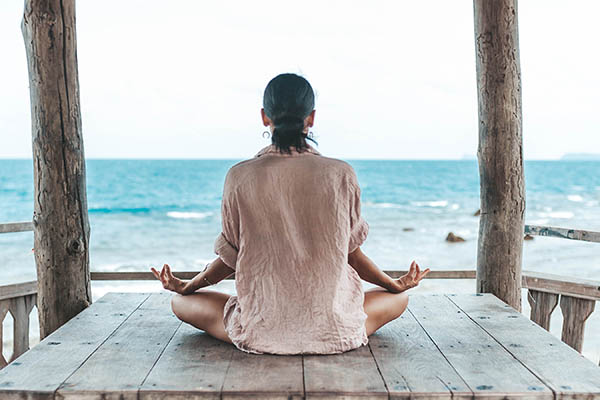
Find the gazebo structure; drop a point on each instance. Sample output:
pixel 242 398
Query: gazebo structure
pixel 445 346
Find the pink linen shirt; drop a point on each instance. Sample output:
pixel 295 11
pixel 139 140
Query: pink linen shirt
pixel 288 224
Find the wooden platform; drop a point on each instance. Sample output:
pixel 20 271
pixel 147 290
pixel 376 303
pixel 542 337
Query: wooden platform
pixel 130 345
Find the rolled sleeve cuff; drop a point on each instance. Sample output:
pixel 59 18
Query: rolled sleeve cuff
pixel 358 235
pixel 226 251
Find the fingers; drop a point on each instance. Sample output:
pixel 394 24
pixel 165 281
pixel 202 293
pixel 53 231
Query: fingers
pixel 155 273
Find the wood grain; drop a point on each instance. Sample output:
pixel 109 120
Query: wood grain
pixel 501 177
pixel 566 372
pixel 40 371
pixel 486 367
pixel 542 305
pixel 411 364
pixel 119 366
pixel 193 366
pixel 60 212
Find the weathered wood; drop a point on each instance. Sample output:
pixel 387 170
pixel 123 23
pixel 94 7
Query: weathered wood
pixel 542 304
pixel 566 372
pixel 3 312
pixel 20 309
pixel 340 376
pixel 147 276
pixel 193 366
pixel 16 227
pixel 570 286
pixel 39 372
pixel 575 312
pixel 60 220
pixel 500 151
pixel 264 376
pixel 405 356
pixel 17 290
pixel 483 364
pixel 563 233
pixel 142 337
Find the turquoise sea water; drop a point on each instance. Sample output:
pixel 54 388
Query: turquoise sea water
pixel 148 212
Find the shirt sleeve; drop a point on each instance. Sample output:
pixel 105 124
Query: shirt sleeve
pixel 359 228
pixel 227 242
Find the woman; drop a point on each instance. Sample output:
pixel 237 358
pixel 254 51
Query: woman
pixel 291 232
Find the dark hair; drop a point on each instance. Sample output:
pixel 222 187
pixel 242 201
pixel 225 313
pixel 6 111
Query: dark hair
pixel 288 100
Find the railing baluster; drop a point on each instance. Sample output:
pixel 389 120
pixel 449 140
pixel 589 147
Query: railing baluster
pixel 575 312
pixel 542 305
pixel 21 308
pixel 3 311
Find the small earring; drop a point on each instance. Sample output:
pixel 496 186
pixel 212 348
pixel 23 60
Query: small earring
pixel 310 134
pixel 268 134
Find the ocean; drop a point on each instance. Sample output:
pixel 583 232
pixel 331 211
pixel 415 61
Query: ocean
pixel 149 212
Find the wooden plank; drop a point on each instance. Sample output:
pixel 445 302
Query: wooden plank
pixel 147 276
pixel 193 366
pixel 12 227
pixel 542 305
pixel 486 367
pixel 18 289
pixel 575 312
pixel 39 372
pixel 564 370
pixel 563 233
pixel 119 366
pixel 344 375
pixel 264 376
pixel 570 286
pixel 411 365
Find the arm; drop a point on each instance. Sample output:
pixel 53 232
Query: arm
pixel 368 271
pixel 216 272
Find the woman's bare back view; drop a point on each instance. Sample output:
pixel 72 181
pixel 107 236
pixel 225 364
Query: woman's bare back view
pixel 291 233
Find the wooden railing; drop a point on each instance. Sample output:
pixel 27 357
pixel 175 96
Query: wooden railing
pixel 577 297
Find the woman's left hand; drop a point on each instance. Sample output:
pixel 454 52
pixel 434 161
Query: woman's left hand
pixel 169 281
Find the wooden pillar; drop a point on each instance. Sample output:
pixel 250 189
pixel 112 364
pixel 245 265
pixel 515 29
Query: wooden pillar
pixel 60 220
pixel 500 151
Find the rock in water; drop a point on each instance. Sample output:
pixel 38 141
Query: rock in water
pixel 452 238
pixel 477 213
pixel 528 237
pixel 408 229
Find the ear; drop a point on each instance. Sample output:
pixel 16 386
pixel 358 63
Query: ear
pixel 310 120
pixel 266 120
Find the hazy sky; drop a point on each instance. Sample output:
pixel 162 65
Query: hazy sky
pixel 394 79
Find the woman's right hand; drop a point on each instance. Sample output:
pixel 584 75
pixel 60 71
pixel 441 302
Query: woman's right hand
pixel 410 279
pixel 168 280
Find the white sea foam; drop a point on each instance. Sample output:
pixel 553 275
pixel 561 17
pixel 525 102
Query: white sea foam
pixel 575 197
pixel 188 215
pixel 438 203
pixel 557 214
pixel 382 205
pixel 455 206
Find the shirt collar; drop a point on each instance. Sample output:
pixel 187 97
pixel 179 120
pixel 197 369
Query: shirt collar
pixel 272 149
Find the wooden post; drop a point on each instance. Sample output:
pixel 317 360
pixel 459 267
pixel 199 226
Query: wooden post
pixel 500 151
pixel 60 220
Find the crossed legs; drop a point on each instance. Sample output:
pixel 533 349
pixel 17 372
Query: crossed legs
pixel 204 310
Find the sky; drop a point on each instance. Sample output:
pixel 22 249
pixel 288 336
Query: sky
pixel 393 79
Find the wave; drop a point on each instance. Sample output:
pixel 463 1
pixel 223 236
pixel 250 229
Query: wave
pixel 103 210
pixel 382 205
pixel 438 203
pixel 575 197
pixel 557 215
pixel 188 215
